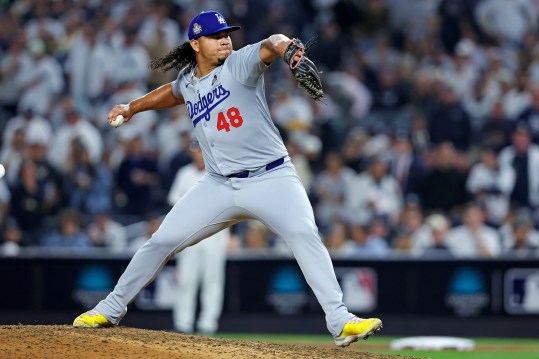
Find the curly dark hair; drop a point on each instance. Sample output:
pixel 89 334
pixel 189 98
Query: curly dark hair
pixel 177 59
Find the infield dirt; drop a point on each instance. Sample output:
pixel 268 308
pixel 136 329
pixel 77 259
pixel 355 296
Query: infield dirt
pixel 64 341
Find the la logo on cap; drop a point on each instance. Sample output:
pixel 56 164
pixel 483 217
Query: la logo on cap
pixel 220 19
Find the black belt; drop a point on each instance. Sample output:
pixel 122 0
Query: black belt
pixel 269 166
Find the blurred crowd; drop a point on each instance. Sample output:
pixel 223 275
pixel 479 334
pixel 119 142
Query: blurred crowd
pixel 426 143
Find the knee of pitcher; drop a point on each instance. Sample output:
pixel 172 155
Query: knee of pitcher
pixel 160 244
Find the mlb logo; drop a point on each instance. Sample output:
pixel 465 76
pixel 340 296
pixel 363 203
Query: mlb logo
pixel 522 291
pixel 360 288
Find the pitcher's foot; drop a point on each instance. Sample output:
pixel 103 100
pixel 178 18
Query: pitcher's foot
pixel 358 328
pixel 92 319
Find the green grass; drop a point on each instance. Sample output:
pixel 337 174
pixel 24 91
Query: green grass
pixel 486 348
pixel 462 355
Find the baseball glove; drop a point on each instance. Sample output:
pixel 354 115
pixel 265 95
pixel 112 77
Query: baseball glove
pixel 304 70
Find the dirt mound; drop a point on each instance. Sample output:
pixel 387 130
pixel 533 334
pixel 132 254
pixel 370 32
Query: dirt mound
pixel 63 341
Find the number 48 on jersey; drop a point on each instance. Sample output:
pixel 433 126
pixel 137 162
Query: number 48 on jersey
pixel 233 118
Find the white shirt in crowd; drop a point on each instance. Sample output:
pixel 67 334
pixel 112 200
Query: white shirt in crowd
pixel 464 243
pixel 484 178
pixel 89 136
pixel 40 84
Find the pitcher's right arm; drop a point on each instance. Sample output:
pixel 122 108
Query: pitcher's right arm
pixel 159 99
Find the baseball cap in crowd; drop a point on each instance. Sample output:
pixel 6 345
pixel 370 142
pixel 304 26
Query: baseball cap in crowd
pixel 207 23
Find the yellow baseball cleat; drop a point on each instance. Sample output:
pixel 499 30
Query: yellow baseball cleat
pixel 92 319
pixel 358 328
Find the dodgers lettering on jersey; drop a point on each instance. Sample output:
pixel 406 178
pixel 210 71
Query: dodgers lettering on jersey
pixel 230 115
pixel 205 104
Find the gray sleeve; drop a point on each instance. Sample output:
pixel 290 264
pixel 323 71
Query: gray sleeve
pixel 245 64
pixel 176 84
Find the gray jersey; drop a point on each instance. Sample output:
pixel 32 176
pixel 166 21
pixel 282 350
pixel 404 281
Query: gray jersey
pixel 232 122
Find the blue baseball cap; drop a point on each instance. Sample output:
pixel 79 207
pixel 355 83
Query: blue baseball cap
pixel 207 23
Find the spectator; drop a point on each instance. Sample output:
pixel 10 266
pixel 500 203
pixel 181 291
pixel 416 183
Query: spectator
pixel 374 17
pixel 507 20
pixel 75 127
pixel 369 241
pixel 41 82
pixel 390 95
pixel 5 198
pixel 159 33
pixel 328 53
pixel 496 132
pixel 352 149
pixel 132 59
pixel 533 67
pixel 530 114
pixel 478 102
pixel 42 24
pixel 88 185
pixel 434 243
pixel 518 99
pixel 347 13
pixel 33 125
pixel 490 184
pixel 474 239
pixel 70 233
pixel 352 98
pixel 167 133
pixel 13 154
pixel 90 68
pixel 10 244
pixel 330 189
pixel 292 112
pixel 519 237
pixel 443 173
pixel 158 26
pixel 523 156
pixel 15 62
pixel 448 121
pixel 461 73
pixel 107 233
pixel 410 230
pixel 419 136
pixel 52 180
pixel 180 157
pixel 256 236
pixel 500 69
pixel 381 55
pixel 136 178
pixel 27 202
pixel 374 193
pixel 454 15
pixel 405 166
pixel 336 240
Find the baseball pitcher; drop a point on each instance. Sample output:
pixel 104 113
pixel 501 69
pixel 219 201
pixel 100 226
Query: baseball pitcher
pixel 249 174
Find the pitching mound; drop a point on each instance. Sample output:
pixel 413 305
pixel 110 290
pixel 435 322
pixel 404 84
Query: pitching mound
pixel 57 341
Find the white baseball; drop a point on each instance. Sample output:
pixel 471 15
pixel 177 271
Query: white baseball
pixel 117 121
pixel 2 170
